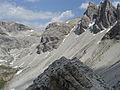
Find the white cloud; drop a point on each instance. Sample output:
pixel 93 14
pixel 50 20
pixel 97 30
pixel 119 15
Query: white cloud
pixel 84 5
pixel 8 10
pixel 60 18
pixel 63 16
pixel 115 3
pixel 28 17
pixel 32 0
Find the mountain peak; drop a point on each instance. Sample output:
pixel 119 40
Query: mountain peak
pixel 91 10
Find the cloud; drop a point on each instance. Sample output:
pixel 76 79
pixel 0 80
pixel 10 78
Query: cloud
pixel 84 5
pixel 32 0
pixel 31 18
pixel 8 10
pixel 115 3
pixel 63 16
pixel 60 18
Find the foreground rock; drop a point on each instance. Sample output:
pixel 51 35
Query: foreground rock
pixel 68 74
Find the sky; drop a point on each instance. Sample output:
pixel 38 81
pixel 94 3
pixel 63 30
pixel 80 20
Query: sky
pixel 37 14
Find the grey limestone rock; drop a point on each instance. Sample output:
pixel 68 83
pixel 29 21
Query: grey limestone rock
pixel 114 33
pixel 91 11
pixel 106 16
pixel 13 26
pixel 118 11
pixel 53 36
pixel 68 74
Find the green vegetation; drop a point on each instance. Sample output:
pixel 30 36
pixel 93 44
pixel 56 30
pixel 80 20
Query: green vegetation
pixel 5 67
pixel 2 33
pixel 6 75
pixel 2 83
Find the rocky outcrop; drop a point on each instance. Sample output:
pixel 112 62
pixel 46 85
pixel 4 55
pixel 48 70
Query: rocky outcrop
pixel 103 16
pixel 113 33
pixel 88 17
pixel 117 86
pixel 106 16
pixel 118 11
pixel 68 74
pixel 53 36
pixel 91 11
pixel 12 27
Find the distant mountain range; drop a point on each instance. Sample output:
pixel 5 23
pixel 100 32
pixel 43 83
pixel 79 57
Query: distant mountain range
pixel 80 54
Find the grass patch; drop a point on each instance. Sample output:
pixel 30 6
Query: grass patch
pixel 2 83
pixel 5 67
pixel 2 33
pixel 6 75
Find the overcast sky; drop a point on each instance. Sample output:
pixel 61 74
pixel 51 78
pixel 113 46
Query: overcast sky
pixel 38 13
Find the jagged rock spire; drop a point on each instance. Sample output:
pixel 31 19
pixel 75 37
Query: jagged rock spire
pixel 118 11
pixel 106 17
pixel 91 10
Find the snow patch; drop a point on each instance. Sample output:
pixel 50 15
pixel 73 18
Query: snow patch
pixel 98 42
pixel 91 25
pixel 18 72
pixel 67 21
pixel 15 67
pixel 31 30
pixel 102 31
pixel 107 30
pixel 3 61
pixel 21 64
pixel 94 34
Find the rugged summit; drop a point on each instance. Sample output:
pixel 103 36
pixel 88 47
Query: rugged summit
pixel 68 74
pixel 12 27
pixel 106 16
pixel 102 16
pixel 53 36
pixel 91 11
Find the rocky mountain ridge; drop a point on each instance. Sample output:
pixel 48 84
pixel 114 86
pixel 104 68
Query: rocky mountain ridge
pixel 93 39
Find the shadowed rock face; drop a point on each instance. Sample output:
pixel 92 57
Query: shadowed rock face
pixel 118 11
pixel 68 74
pixel 114 33
pixel 89 15
pixel 106 16
pixel 117 86
pixel 53 36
